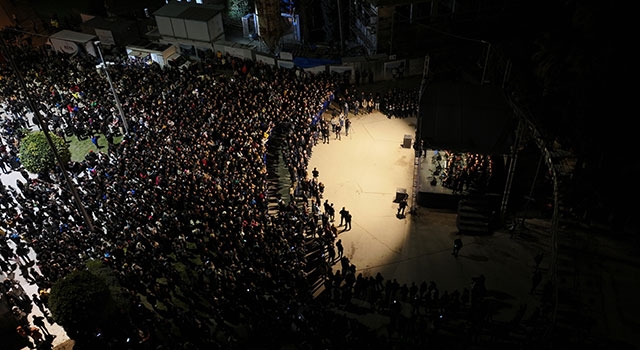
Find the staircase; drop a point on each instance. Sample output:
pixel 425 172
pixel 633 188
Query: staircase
pixel 278 183
pixel 278 179
pixel 475 215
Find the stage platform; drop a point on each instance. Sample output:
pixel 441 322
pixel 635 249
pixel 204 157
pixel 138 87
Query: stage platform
pixel 431 191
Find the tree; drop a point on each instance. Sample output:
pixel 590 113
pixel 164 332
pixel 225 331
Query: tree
pixel 37 157
pixel 272 25
pixel 120 295
pixel 237 9
pixel 82 303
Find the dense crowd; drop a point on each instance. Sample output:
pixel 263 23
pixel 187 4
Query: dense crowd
pixel 188 181
pixel 180 208
pixel 395 102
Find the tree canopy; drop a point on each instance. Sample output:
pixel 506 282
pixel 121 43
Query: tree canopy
pixel 37 157
pixel 82 303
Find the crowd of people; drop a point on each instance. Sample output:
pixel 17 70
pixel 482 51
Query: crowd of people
pixel 461 171
pixel 191 171
pixel 179 208
pixel 395 102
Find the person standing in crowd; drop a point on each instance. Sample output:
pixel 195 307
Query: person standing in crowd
pixel 292 194
pixel 332 213
pixel 94 140
pixel 39 322
pixel 315 133
pixel 347 125
pixel 24 269
pixel 4 163
pixel 343 215
pixel 22 250
pixel 401 207
pixel 347 221
pixel 326 206
pixel 325 133
pixel 457 245
pixel 334 123
pixel 340 249
pixel 109 137
pixel 331 251
pixel 40 305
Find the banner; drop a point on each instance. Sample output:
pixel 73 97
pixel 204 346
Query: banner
pixel 286 55
pixel 285 64
pixel 316 69
pixel 340 69
pixel 266 59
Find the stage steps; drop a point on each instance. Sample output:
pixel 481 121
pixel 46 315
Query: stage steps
pixel 475 215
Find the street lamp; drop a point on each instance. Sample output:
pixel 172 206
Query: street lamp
pixel 115 95
pixel 486 60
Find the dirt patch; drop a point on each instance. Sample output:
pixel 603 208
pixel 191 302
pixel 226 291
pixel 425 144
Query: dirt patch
pixel 67 345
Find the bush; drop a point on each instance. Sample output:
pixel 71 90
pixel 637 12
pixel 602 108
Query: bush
pixel 37 157
pixel 120 296
pixel 82 303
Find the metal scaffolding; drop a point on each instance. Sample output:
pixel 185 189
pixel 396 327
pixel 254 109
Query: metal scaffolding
pixel 556 171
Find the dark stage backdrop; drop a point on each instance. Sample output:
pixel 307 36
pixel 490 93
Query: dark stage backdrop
pixel 466 117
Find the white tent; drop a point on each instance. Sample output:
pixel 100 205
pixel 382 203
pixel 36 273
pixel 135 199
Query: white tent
pixel 158 53
pixel 70 42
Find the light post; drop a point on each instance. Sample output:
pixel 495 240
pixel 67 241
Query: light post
pixel 486 60
pixel 115 95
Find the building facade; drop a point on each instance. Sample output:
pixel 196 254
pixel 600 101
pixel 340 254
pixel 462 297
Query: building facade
pixel 190 27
